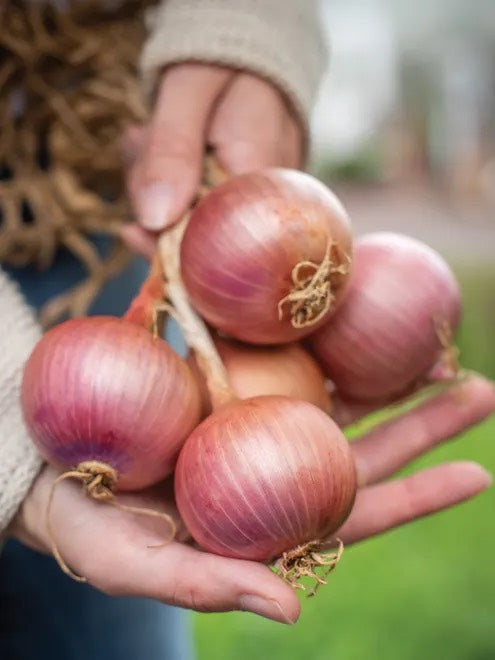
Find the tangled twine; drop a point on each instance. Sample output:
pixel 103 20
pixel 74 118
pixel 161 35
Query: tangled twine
pixel 68 88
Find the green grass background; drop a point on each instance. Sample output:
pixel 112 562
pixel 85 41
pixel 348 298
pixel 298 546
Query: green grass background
pixel 424 591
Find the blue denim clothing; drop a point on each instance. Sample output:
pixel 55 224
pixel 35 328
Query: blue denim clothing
pixel 44 615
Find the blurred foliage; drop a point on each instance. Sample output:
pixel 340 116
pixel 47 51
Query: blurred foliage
pixel 476 336
pixel 364 166
pixel 424 591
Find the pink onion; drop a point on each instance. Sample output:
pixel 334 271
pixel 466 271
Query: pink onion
pixel 102 389
pixel 266 255
pixel 263 476
pixel 386 335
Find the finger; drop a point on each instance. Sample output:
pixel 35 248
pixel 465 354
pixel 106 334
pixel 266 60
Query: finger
pixel 138 240
pixel 252 127
pixel 110 547
pixel 293 143
pixel 166 177
pixel 183 576
pixel 391 446
pixel 346 412
pixel 384 506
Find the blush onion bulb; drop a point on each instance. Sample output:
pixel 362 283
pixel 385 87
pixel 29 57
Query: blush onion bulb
pixel 387 334
pixel 103 390
pixel 263 477
pixel 257 370
pixel 266 256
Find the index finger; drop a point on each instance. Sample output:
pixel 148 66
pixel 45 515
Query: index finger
pixel 391 446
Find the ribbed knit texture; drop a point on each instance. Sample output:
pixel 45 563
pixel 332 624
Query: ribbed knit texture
pixel 19 460
pixel 277 39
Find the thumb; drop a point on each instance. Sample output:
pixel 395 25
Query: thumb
pixel 181 575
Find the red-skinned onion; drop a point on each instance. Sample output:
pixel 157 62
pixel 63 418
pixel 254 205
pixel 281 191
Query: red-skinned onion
pixel 266 256
pixel 257 370
pixel 262 476
pixel 103 389
pixel 279 466
pixel 386 335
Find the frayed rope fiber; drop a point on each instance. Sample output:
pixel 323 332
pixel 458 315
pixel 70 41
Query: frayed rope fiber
pixel 69 86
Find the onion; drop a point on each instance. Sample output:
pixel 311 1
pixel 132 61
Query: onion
pixel 256 370
pixel 264 476
pixel 390 329
pixel 103 390
pixel 261 477
pixel 266 255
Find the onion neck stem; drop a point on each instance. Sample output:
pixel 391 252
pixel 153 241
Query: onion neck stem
pixel 195 331
pixel 150 295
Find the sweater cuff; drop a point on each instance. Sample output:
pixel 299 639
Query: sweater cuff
pixel 280 40
pixel 19 459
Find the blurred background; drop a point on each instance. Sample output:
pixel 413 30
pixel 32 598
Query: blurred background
pixel 404 132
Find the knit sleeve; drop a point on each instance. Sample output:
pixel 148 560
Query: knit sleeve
pixel 280 40
pixel 19 460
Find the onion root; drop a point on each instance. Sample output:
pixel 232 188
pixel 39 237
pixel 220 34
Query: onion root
pixel 98 481
pixel 304 560
pixel 449 357
pixel 312 296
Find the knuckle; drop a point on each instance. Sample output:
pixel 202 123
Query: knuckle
pixel 185 594
pixel 414 500
pixel 185 591
pixel 170 142
pixel 250 154
pixel 173 156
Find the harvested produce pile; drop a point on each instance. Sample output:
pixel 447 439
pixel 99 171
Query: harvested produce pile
pixel 68 87
pixel 267 475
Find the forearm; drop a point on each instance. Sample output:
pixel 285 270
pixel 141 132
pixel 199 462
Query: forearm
pixel 19 460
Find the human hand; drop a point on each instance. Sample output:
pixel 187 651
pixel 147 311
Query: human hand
pixel 110 547
pixel 244 118
pixel 382 505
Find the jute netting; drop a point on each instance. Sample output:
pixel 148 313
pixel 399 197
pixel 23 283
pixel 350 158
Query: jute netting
pixel 68 88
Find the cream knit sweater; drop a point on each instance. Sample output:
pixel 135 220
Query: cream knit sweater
pixel 277 39
pixel 19 461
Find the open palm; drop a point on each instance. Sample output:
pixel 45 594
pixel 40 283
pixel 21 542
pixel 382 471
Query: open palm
pixel 111 547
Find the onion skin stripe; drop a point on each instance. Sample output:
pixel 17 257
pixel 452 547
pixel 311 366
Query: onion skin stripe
pixel 260 491
pixel 103 389
pixel 238 499
pixel 384 338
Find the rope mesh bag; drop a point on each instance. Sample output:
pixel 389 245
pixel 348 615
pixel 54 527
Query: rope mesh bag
pixel 68 88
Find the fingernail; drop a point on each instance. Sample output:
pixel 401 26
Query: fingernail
pixel 476 476
pixel 266 607
pixel 155 204
pixel 488 478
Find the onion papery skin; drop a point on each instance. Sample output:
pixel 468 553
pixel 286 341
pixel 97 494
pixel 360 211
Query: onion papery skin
pixel 243 241
pixel 383 339
pixel 258 370
pixel 262 476
pixel 103 389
